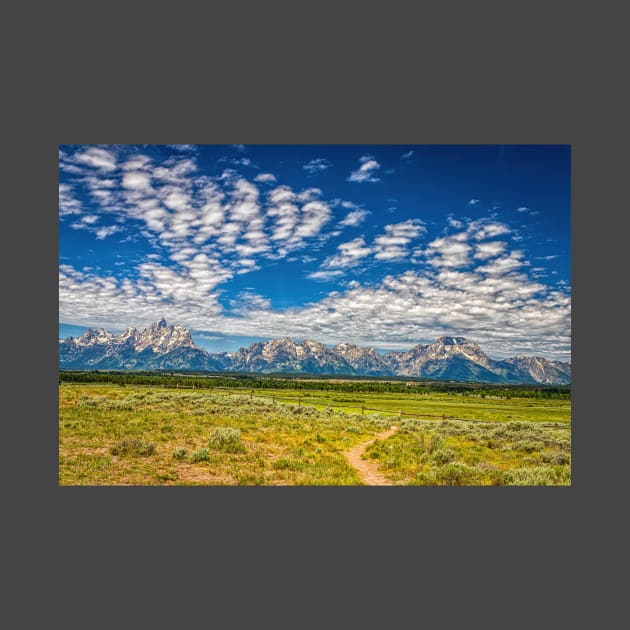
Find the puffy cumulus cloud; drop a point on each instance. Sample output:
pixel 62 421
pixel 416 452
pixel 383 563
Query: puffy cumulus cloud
pixel 489 249
pixel 246 264
pixel 482 229
pixel 175 171
pixel 317 166
pixel 136 162
pixel 314 215
pixel 68 204
pixel 98 158
pixel 295 217
pixel 390 246
pixel 244 206
pixel 454 223
pixel 106 230
pixel 393 245
pixel 500 266
pixel 349 254
pixel 366 172
pixel 309 194
pixel 136 180
pixel 449 251
pixel 180 207
pixel 354 218
pixel 265 178
pixel 455 250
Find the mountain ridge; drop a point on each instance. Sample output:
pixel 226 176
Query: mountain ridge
pixel 163 346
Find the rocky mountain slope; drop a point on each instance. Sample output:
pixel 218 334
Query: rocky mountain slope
pixel 161 346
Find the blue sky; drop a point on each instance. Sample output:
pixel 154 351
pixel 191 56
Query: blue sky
pixel 380 245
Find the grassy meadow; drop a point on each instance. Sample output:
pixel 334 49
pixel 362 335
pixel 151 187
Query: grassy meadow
pixel 148 435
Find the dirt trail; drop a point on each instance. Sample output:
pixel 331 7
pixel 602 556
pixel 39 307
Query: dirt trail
pixel 367 469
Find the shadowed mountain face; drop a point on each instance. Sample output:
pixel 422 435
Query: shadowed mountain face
pixel 161 346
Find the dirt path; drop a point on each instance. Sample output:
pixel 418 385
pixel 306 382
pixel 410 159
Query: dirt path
pixel 368 470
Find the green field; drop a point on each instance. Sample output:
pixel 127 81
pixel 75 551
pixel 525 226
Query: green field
pixel 148 435
pixel 435 404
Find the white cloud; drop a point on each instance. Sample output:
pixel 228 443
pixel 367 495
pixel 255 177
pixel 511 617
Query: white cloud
pixel 294 224
pixel 68 204
pixel 137 162
pixel 365 173
pixel 309 194
pixel 314 215
pixel 173 171
pixel 85 222
pixel 449 251
pixel 349 254
pixel 135 180
pixel 106 230
pixel 325 275
pixel 406 156
pixel 210 230
pixel 489 249
pixel 354 218
pixel 473 202
pixel 317 166
pixel 487 229
pixel 265 178
pixel 502 265
pixel 393 245
pixel 97 158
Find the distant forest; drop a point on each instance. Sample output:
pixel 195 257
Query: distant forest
pixel 398 385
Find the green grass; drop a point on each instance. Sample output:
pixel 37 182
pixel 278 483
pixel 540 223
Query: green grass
pixel 473 453
pixel 434 404
pixel 134 435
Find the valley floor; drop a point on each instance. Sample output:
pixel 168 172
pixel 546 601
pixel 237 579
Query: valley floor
pixel 134 435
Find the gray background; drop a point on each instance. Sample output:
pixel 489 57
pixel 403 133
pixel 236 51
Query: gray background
pixel 311 557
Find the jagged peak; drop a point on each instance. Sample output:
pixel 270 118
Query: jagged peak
pixel 311 342
pixel 280 340
pixel 447 352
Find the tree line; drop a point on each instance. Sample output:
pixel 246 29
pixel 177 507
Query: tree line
pixel 313 383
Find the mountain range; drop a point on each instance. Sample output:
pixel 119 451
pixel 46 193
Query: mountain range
pixel 167 347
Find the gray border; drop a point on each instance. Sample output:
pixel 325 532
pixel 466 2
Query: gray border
pixel 504 557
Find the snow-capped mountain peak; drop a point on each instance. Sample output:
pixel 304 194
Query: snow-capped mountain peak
pixel 163 346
